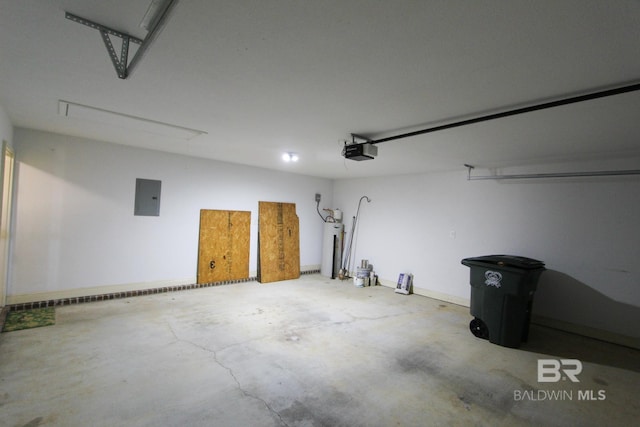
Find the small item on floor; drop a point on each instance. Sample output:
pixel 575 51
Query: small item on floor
pixel 363 274
pixel 27 319
pixel 405 283
pixel 365 278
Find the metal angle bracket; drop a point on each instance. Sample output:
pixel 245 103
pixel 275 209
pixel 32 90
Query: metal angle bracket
pixel 469 169
pixel 355 136
pixel 120 64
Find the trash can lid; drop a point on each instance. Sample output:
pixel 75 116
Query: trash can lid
pixel 508 261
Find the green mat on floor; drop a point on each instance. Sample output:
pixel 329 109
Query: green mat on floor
pixel 28 319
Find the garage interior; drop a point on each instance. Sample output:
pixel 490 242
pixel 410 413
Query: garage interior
pixel 195 188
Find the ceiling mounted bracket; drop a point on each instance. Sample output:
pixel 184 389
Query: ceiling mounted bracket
pixel 469 169
pixel 120 64
pixel 355 136
pixel 153 21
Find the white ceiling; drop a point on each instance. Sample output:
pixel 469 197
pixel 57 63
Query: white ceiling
pixel 266 76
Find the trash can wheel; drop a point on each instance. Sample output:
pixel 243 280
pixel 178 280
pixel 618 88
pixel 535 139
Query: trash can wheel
pixel 479 329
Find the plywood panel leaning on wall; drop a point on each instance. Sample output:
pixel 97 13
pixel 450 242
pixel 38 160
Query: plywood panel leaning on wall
pixel 278 242
pixel 223 249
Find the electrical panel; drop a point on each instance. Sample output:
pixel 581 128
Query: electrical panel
pixel 147 200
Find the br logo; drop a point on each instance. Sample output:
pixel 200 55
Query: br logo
pixel 553 370
pixel 493 278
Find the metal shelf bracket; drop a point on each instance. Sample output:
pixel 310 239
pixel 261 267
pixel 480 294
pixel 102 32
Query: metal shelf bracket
pixel 120 64
pixel 123 67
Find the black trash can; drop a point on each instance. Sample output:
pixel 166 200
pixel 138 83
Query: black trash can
pixel 502 289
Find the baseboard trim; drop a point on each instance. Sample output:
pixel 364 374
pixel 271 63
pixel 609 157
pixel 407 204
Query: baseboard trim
pixel 103 293
pixel 95 290
pixel 310 269
pixel 452 299
pixel 587 331
pixel 573 328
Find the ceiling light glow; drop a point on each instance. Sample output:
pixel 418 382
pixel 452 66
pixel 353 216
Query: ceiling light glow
pixel 290 157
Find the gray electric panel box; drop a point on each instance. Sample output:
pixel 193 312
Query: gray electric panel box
pixel 147 197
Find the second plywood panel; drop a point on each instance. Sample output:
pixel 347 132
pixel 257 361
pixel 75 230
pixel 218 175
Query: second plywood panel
pixel 278 242
pixel 223 250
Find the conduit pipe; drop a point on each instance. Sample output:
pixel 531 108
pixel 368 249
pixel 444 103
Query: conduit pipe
pixel 551 175
pixel 159 21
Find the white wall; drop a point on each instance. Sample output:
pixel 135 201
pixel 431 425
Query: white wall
pixel 75 229
pixel 74 223
pixel 585 229
pixel 6 128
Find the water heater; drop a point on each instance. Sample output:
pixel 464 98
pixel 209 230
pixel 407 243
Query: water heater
pixel 332 249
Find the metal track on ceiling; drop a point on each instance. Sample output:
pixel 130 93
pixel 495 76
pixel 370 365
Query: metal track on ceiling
pixel 617 90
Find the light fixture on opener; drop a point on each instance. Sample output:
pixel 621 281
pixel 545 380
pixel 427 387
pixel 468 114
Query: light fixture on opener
pixel 290 157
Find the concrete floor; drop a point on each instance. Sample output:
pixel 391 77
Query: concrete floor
pixel 308 352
